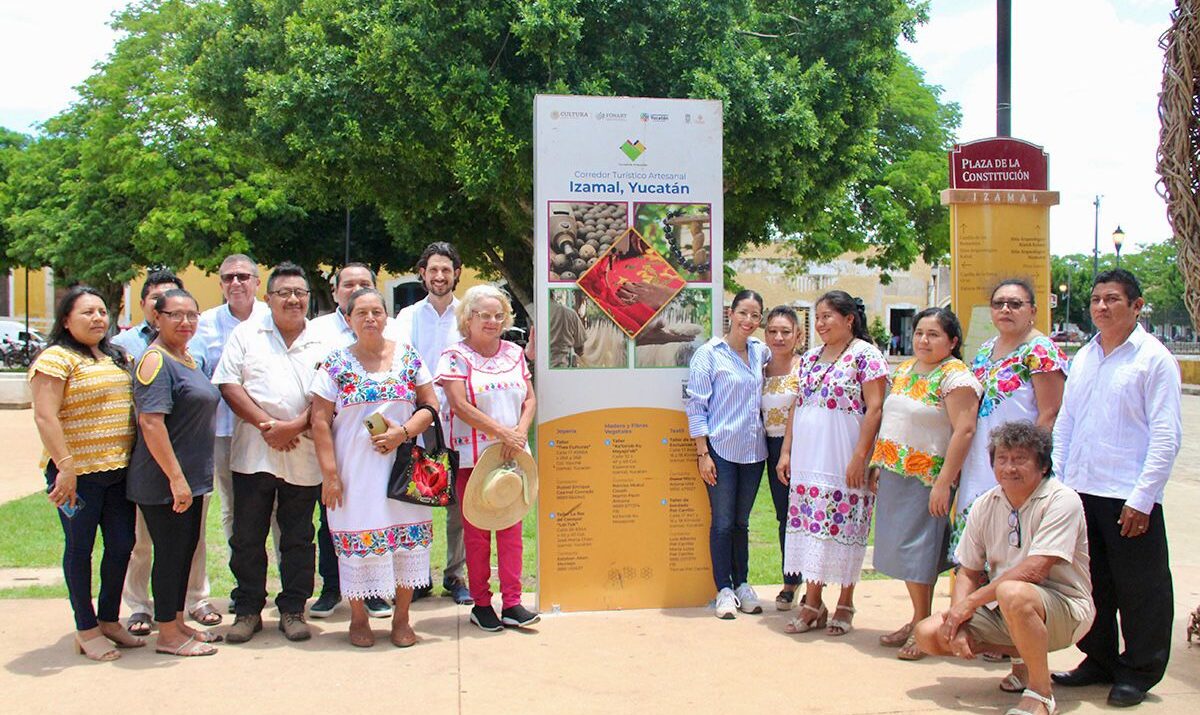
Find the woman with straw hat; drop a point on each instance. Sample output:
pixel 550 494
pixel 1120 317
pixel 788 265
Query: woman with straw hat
pixel 488 385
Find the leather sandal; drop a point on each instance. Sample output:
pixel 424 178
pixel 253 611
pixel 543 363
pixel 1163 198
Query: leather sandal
pixel 206 615
pixel 799 625
pixel 191 647
pixel 98 649
pixel 838 626
pixel 122 638
pixel 140 624
pixel 897 638
pixel 1012 683
pixel 1051 706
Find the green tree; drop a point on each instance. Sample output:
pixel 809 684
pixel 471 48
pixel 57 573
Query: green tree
pixel 11 145
pixel 1157 269
pixel 891 211
pixel 424 110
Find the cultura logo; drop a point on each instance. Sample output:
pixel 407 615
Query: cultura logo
pixel 633 149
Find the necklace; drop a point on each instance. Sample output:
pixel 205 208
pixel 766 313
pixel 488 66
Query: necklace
pixel 825 375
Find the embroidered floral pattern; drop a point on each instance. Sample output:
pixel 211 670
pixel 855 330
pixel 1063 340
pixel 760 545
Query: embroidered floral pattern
pixel 902 459
pixel 1003 377
pixel 356 387
pixel 834 513
pixel 779 393
pixel 924 388
pixel 839 386
pixel 377 542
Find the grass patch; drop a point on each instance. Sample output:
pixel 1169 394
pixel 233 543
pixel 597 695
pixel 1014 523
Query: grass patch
pixel 32 537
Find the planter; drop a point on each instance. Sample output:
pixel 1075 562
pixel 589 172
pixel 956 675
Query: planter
pixel 14 391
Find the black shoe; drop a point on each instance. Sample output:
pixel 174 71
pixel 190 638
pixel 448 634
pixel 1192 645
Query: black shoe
pixel 459 592
pixel 377 607
pixel 1084 674
pixel 1124 695
pixel 422 592
pixel 485 618
pixel 519 616
pixel 323 606
pixel 232 606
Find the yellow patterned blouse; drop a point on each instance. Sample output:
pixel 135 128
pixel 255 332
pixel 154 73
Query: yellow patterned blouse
pixel 97 408
pixel 779 394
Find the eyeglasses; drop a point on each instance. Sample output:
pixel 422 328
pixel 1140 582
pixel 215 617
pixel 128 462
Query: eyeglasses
pixel 749 316
pixel 286 293
pixel 1011 304
pixel 180 316
pixel 1014 529
pixel 238 277
pixel 490 317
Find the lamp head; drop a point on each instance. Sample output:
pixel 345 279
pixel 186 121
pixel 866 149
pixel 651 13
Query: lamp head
pixel 1118 238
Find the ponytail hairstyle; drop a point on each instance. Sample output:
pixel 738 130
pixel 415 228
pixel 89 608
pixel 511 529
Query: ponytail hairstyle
pixel 848 306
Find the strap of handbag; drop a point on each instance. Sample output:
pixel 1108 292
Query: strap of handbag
pixel 437 425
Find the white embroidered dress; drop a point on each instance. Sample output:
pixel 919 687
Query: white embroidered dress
pixel 381 543
pixel 827 522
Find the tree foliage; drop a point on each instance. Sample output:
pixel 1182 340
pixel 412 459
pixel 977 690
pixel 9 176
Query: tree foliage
pixel 1156 267
pixel 424 109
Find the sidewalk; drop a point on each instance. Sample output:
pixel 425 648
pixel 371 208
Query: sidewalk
pixel 680 660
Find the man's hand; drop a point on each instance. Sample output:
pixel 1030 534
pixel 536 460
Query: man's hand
pixel 282 435
pixel 1133 522
pixel 953 619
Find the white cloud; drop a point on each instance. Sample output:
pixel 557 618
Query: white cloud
pixel 47 48
pixel 1085 81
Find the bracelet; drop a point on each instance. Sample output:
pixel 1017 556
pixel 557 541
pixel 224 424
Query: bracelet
pixel 702 455
pixel 407 436
pixel 67 458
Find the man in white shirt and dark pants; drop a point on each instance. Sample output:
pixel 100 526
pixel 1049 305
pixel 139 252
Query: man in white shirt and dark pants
pixel 333 332
pixel 1115 442
pixel 264 374
pixel 430 326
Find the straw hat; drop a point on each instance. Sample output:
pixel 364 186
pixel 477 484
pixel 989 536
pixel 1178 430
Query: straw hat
pixel 499 493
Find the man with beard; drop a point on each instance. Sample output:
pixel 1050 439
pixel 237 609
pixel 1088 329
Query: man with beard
pixel 430 326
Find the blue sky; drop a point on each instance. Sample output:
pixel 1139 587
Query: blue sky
pixel 1086 76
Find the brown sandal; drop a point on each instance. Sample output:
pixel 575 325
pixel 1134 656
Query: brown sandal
pixel 897 638
pixel 910 651
pixel 206 615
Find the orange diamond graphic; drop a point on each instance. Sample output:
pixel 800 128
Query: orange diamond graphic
pixel 631 282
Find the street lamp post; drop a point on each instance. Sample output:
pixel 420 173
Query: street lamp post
pixel 1065 289
pixel 1118 239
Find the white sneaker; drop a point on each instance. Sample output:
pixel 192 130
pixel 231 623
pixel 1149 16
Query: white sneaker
pixel 747 599
pixel 726 604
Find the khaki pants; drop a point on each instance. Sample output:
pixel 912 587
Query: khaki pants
pixel 988 626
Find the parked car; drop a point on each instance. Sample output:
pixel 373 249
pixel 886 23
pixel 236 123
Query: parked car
pixel 1067 336
pixel 18 347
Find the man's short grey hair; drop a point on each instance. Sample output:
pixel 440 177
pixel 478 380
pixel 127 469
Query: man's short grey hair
pixel 1023 435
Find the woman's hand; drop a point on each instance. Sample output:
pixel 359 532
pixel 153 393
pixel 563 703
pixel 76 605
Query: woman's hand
pixel 939 499
pixel 512 441
pixel 856 472
pixel 708 470
pixel 391 439
pixel 783 468
pixel 873 480
pixel 331 492
pixel 182 494
pixel 64 487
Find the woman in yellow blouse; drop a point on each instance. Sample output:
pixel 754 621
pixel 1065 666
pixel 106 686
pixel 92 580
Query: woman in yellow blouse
pixel 83 408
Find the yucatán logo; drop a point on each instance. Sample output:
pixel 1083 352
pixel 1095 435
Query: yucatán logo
pixel 655 117
pixel 633 149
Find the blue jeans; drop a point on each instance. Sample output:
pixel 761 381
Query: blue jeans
pixel 779 496
pixel 105 508
pixel 731 499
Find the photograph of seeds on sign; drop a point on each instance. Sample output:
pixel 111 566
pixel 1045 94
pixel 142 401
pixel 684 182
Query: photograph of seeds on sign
pixel 579 233
pixel 682 233
pixel 677 331
pixel 581 335
pixel 631 282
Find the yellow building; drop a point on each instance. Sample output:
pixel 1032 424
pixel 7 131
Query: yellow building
pixel 764 269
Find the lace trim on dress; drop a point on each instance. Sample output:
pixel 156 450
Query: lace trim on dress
pixel 380 576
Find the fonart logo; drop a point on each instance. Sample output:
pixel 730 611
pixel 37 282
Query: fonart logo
pixel 633 149
pixel 610 116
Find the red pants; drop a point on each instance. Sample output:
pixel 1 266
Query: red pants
pixel 478 544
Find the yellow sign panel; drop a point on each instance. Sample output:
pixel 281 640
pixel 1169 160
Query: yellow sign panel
pixel 996 235
pixel 624 522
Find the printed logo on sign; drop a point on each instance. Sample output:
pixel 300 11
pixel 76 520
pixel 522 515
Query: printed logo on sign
pixel 572 115
pixel 633 149
pixel 645 116
pixel 659 117
pixel 554 114
pixel 610 116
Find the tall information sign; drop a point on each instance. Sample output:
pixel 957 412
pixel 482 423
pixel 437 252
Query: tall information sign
pixel 628 276
pixel 999 228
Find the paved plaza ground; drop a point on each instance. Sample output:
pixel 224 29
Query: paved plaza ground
pixel 635 661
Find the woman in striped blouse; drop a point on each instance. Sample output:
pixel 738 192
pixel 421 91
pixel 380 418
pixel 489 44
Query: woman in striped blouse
pixel 83 408
pixel 724 396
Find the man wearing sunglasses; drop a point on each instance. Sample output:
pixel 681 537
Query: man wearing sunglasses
pixel 264 374
pixel 239 286
pixel 1029 535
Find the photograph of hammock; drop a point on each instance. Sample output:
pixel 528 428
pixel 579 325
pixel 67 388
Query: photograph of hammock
pixel 581 335
pixel 675 333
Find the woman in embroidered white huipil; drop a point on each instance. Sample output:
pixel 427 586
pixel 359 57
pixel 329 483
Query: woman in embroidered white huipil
pixel 825 452
pixel 382 544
